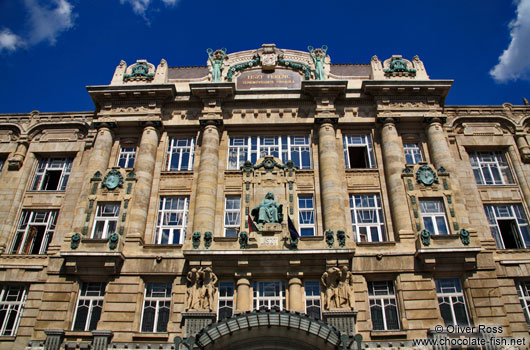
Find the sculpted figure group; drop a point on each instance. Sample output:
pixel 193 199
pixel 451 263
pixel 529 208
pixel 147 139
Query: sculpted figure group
pixel 339 292
pixel 201 289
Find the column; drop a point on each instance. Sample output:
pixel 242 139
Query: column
pixel 296 297
pixel 330 181
pixel 16 161
pixel 243 295
pixel 394 161
pixel 438 148
pixel 144 167
pixel 205 200
pixel 519 172
pixel 99 160
pixel 524 149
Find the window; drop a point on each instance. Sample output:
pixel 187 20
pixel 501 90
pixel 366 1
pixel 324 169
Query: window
pixel 523 289
pixel 433 215
pixel 295 148
pixel 306 215
pixel 367 218
pixel 106 220
pixel 412 153
pixel 490 168
pixel 89 305
pixel 358 152
pixel 232 215
pixel 172 219
pixel 383 306
pixel 126 157
pixel 12 299
pixel 157 303
pixel 451 302
pixel 312 299
pixel 226 300
pixel 52 174
pixel 34 232
pixel 180 154
pixel 508 225
pixel 268 295
pixel 2 162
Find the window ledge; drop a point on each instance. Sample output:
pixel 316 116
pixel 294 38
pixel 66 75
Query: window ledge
pixel 311 238
pixel 44 191
pixel 497 186
pixel 7 338
pixel 162 246
pixel 95 240
pixel 385 334
pixel 225 239
pixel 361 170
pixel 177 172
pixel 148 336
pixel 448 237
pixel 374 244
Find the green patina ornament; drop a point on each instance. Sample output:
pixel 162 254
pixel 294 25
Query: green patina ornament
pixel 268 211
pixel 113 240
pixel 208 237
pixel 425 238
pixel 196 239
pixel 398 64
pixel 296 66
pixel 131 175
pixel 442 171
pixel 318 56
pixel 426 175
pixel 76 239
pixel 243 240
pixel 464 236
pixel 247 166
pixel 216 59
pixel 293 242
pixel 329 238
pixel 341 238
pixel 140 69
pixel 113 179
pixel 407 171
pixel 97 176
pixel 240 66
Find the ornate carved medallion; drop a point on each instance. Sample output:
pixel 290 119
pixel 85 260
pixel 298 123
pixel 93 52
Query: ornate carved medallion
pixel 426 175
pixel 113 179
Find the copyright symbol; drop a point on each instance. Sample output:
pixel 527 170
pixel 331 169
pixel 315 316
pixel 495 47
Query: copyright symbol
pixel 439 329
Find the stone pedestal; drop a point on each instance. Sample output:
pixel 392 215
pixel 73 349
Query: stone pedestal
pixel 54 339
pixel 195 321
pixel 342 320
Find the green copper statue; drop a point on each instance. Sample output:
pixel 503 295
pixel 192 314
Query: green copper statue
pixel 268 211
pixel 318 56
pixel 216 59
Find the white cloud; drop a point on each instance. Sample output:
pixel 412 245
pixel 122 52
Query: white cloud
pixel 140 6
pixel 47 23
pixel 514 63
pixel 10 41
pixel 170 2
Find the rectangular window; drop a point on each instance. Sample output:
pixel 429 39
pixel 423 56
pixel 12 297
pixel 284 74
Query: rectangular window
pixel 35 231
pixel 106 220
pixel 383 306
pixel 252 148
pixel 172 220
pixel 226 300
pixel 433 215
pixel 2 162
pixel 451 301
pixel 89 305
pixel 523 289
pixel 268 295
pixel 232 215
pixel 306 215
pixel 52 174
pixel 367 218
pixel 126 157
pixel 157 302
pixel 358 152
pixel 490 168
pixel 12 299
pixel 412 153
pixel 180 154
pixel 508 225
pixel 312 299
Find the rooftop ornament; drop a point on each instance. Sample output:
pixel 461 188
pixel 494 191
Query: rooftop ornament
pixel 318 56
pixel 398 65
pixel 216 59
pixel 140 70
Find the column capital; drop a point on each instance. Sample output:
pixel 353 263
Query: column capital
pixel 104 125
pixel 211 122
pixel 322 121
pixel 153 123
pixel 388 120
pixel 437 119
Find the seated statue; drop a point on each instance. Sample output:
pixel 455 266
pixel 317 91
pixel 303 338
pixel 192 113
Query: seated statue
pixel 268 211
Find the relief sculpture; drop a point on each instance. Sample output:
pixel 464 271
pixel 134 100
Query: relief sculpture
pixel 338 288
pixel 200 295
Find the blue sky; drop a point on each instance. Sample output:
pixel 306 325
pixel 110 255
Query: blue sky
pixel 51 49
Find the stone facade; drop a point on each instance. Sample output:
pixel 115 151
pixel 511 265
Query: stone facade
pixel 131 226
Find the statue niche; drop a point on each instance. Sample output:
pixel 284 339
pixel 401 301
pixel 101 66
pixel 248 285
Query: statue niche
pixel 338 289
pixel 200 295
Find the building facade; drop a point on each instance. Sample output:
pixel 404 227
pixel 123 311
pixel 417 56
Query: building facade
pixel 268 200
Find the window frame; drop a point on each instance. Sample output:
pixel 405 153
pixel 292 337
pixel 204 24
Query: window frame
pixel 390 296
pixel 26 222
pixel 499 162
pixel 128 153
pixel 433 216
pixel 106 220
pixel 313 300
pixel 173 148
pixel 520 218
pixel 17 306
pixel 92 303
pixel 163 211
pixel 523 292
pixel 413 149
pixel 234 211
pixel 225 300
pixel 158 307
pixel 44 166
pixel 302 225
pixel 359 141
pixel 380 226
pixel 451 295
pixel 280 299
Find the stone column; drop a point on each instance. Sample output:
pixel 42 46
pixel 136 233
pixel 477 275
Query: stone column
pixel 206 197
pixel 296 296
pixel 524 149
pixel 394 162
pixel 144 167
pixel 99 161
pixel 15 162
pixel 519 172
pixel 438 147
pixel 243 295
pixel 330 181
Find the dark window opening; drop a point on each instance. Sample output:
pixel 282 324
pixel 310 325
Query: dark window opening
pixel 509 234
pixel 358 157
pixel 51 180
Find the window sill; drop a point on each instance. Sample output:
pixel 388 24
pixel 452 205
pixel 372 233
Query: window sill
pixel 45 191
pixel 311 238
pixel 374 244
pixel 388 334
pixel 95 240
pixel 162 246
pixel 7 338
pixel 177 172
pixel 448 237
pixel 361 170
pixel 225 239
pixel 149 336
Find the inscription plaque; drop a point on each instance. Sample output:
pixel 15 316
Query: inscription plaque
pixel 280 78
pixel 268 241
